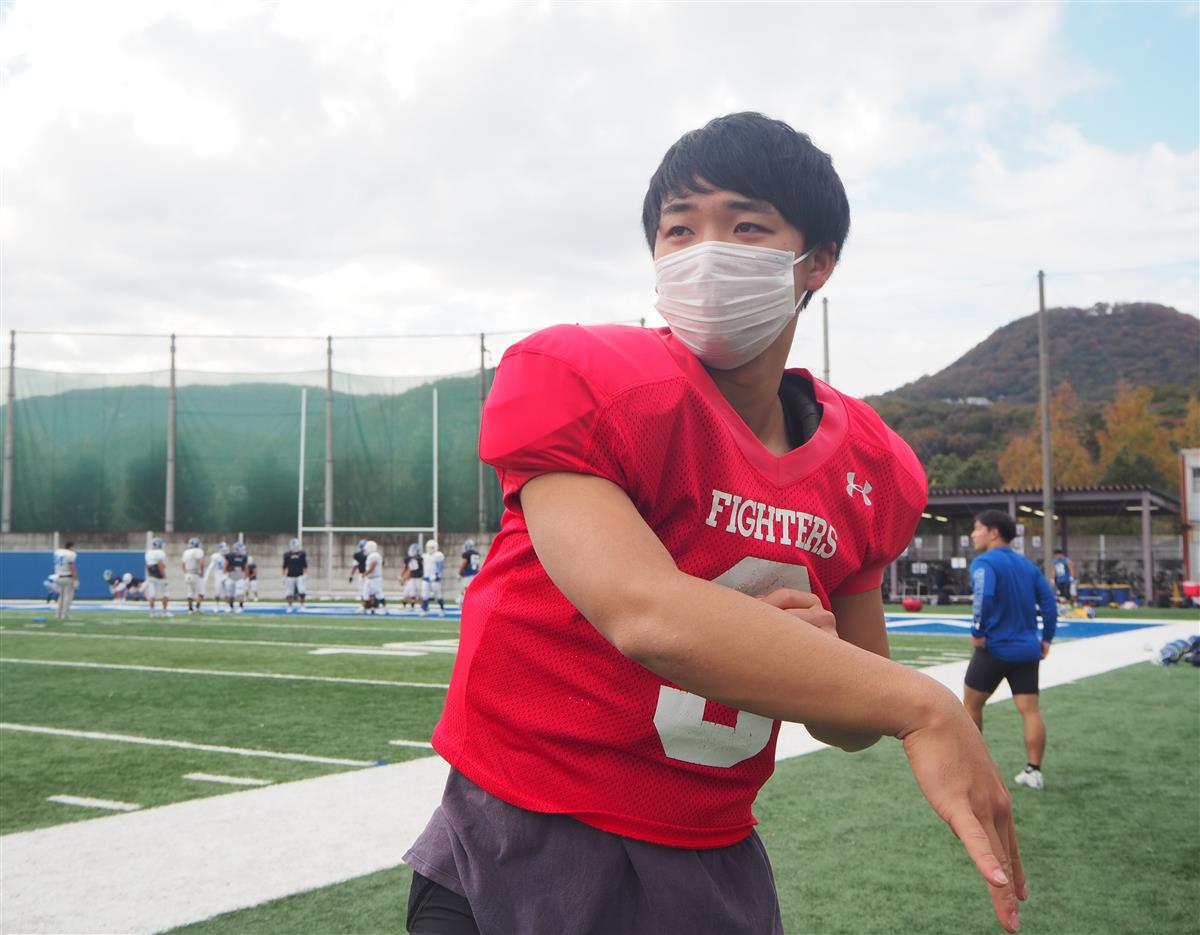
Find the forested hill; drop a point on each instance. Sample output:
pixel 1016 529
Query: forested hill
pixel 1092 349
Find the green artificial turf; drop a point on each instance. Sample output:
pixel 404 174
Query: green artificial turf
pixel 1110 845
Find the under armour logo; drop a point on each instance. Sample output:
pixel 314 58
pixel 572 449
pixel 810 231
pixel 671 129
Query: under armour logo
pixel 864 488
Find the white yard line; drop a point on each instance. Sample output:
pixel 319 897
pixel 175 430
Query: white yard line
pixel 93 803
pixel 227 780
pixel 219 672
pixel 411 743
pixel 196 639
pixel 164 867
pixel 180 744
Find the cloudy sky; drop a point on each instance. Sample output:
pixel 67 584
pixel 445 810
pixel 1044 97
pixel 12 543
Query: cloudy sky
pixel 280 171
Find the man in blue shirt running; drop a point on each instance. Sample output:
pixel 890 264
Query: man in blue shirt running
pixel 1008 591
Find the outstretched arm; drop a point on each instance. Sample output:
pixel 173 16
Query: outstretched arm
pixel 729 647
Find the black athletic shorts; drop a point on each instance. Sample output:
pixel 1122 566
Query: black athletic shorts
pixel 986 672
pixel 435 910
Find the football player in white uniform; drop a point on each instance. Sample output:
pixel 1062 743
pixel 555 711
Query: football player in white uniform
pixel 410 576
pixel 66 578
pixel 373 580
pixel 434 562
pixel 214 575
pixel 156 577
pixel 193 569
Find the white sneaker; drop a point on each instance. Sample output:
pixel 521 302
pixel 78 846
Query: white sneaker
pixel 1030 777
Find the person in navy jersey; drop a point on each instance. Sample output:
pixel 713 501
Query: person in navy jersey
pixel 236 563
pixel 295 570
pixel 468 567
pixel 1064 576
pixel 609 723
pixel 1008 592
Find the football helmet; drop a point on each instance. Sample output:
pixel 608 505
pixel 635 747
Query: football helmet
pixel 107 574
pixel 222 547
pixel 194 543
pixel 362 544
pixel 156 542
pixel 372 546
pixel 240 548
pixel 431 546
pixel 127 577
pixel 414 550
pixel 468 545
pixel 293 544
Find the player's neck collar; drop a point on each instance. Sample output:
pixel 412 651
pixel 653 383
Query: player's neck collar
pixel 778 469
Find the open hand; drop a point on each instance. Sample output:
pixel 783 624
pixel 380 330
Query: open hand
pixel 952 766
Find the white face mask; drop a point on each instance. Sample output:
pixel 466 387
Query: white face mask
pixel 726 301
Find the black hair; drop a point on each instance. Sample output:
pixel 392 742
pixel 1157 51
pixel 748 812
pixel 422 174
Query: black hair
pixel 69 545
pixel 999 521
pixel 761 158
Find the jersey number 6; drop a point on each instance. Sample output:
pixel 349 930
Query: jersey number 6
pixel 679 716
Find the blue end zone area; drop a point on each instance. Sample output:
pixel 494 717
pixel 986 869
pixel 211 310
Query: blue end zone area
pixel 22 573
pixel 1068 629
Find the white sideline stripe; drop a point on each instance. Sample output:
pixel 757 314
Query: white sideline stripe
pixel 427 646
pixel 177 639
pixel 220 672
pixel 93 803
pixel 161 868
pixel 227 780
pixel 411 743
pixel 180 744
pixel 1066 663
pixel 361 651
pixel 310 626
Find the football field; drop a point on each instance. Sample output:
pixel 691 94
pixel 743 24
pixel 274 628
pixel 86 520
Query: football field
pixel 160 772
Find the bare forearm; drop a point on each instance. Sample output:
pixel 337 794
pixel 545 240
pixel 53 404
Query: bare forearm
pixel 743 653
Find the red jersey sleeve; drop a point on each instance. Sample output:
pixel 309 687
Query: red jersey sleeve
pixel 542 415
pixel 909 495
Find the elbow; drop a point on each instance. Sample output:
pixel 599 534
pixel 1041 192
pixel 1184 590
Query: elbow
pixel 847 741
pixel 640 627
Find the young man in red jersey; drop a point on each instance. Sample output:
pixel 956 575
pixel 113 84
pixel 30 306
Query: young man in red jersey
pixel 609 725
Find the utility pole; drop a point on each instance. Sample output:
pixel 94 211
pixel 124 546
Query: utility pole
pixel 481 523
pixel 1047 454
pixel 825 326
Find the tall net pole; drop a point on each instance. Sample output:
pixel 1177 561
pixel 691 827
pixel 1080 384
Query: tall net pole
pixel 169 506
pixel 6 495
pixel 825 329
pixel 435 523
pixel 329 462
pixel 482 524
pixel 300 484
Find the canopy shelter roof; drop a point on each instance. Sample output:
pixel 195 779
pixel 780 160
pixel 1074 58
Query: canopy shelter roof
pixel 958 507
pixel 1103 500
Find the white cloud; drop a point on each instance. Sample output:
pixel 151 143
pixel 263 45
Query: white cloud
pixel 431 168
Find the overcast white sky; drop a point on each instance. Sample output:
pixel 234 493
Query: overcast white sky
pixel 305 168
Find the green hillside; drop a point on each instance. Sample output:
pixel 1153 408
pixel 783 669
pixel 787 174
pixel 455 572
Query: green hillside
pixel 963 419
pixel 1141 343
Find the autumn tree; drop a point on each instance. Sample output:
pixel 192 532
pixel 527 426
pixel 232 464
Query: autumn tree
pixel 1134 446
pixel 1187 433
pixel 1020 463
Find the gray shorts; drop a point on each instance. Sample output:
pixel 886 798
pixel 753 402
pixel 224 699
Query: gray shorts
pixel 531 872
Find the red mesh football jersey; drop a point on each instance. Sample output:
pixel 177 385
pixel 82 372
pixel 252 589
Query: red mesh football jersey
pixel 542 711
